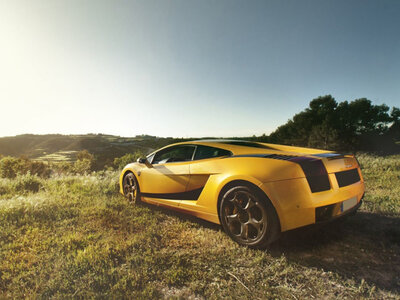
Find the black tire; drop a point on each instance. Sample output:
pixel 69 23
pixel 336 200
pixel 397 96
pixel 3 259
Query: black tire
pixel 248 217
pixel 131 188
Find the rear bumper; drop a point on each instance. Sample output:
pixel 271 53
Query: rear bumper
pixel 297 206
pixel 331 217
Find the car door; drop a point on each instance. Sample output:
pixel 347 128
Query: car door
pixel 206 162
pixel 203 165
pixel 165 181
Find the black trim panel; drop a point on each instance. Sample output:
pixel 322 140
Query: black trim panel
pixel 274 156
pixel 345 178
pixel 316 174
pixel 189 195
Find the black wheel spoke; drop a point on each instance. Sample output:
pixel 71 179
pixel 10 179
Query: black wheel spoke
pixel 235 202
pixel 232 218
pixel 250 204
pixel 257 225
pixel 244 231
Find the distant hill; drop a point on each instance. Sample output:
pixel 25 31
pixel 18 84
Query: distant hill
pixel 57 147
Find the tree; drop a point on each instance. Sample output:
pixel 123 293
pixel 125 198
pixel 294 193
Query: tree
pixel 394 130
pixel 121 162
pixel 83 166
pixel 10 167
pixel 355 125
pixel 84 154
pixel 84 163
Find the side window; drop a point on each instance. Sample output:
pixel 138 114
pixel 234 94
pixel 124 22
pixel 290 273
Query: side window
pixel 203 152
pixel 174 154
pixel 150 158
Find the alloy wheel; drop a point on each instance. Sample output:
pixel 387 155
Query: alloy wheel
pixel 245 216
pixel 130 187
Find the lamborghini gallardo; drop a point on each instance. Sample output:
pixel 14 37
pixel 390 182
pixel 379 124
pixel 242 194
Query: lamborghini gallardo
pixel 254 190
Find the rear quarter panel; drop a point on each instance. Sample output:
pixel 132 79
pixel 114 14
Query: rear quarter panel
pixel 214 174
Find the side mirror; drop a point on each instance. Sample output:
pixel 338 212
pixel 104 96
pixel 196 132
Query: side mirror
pixel 143 160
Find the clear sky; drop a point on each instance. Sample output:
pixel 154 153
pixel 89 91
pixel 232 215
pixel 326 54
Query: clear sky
pixel 189 68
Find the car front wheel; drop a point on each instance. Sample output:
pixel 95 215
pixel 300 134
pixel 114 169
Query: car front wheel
pixel 131 187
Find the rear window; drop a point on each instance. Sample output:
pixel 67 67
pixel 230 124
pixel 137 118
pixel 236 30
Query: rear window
pixel 203 152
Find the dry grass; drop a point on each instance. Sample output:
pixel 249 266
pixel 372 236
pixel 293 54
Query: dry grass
pixel 77 237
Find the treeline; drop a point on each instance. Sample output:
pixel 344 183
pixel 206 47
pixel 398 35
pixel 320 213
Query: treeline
pixel 357 125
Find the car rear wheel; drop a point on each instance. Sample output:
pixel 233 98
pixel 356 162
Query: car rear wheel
pixel 248 217
pixel 131 187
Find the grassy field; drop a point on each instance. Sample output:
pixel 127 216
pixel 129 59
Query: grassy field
pixel 75 236
pixel 58 156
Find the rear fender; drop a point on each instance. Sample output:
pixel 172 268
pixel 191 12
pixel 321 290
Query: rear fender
pixel 227 182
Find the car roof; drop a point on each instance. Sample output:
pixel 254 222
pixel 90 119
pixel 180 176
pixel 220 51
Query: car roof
pixel 241 147
pixel 235 146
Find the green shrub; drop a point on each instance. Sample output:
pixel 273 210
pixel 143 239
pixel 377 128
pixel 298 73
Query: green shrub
pixel 84 154
pixel 110 188
pixel 11 166
pixel 83 166
pixel 4 188
pixel 38 168
pixel 63 167
pixel 122 161
pixel 27 183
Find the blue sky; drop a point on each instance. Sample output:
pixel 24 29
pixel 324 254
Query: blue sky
pixel 189 68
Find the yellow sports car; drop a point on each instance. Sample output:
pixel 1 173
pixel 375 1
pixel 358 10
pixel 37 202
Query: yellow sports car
pixel 254 190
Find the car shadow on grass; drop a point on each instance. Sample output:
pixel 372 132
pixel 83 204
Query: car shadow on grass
pixel 182 216
pixel 365 246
